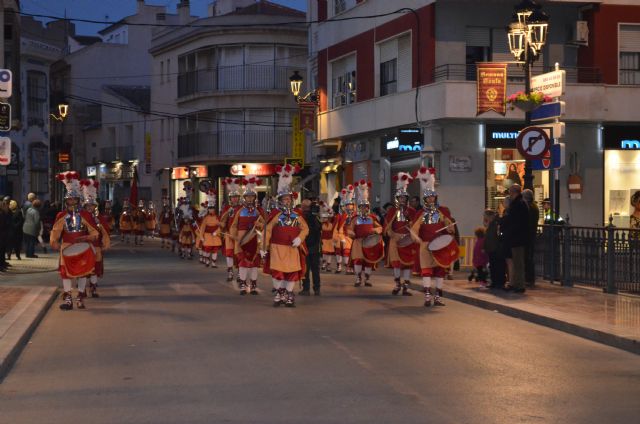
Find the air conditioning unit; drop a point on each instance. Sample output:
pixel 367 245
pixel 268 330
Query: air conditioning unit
pixel 582 33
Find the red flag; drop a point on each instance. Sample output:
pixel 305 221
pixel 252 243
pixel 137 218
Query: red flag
pixel 133 194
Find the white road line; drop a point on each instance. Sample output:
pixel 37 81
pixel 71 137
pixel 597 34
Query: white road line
pixel 188 289
pixel 131 290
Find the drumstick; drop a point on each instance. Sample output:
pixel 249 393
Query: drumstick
pixel 444 228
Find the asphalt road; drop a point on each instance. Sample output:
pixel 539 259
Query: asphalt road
pixel 172 342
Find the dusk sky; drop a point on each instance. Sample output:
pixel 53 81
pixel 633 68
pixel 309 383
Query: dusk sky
pixel 113 10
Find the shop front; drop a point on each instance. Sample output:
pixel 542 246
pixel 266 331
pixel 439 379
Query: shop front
pixel 181 174
pixel 621 172
pixel 505 166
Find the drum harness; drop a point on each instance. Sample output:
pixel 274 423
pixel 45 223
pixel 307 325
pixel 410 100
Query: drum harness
pixel 73 222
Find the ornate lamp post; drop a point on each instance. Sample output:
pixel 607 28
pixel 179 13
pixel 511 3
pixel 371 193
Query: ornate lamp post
pixel 296 85
pixel 527 36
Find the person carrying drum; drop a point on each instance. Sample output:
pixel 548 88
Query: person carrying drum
pixel 402 248
pixel 106 217
pixel 72 233
pixel 166 223
pixel 283 244
pixel 328 222
pixel 432 229
pixel 186 229
pixel 344 242
pixel 139 223
pixel 126 221
pixel 245 229
pixel 103 242
pixel 226 218
pixel 209 235
pixel 150 220
pixel 365 230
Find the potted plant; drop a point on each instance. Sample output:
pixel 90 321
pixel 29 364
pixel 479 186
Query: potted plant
pixel 527 102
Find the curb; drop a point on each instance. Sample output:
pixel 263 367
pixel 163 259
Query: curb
pixel 598 336
pixel 23 327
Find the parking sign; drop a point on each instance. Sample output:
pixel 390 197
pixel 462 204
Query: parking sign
pixel 6 83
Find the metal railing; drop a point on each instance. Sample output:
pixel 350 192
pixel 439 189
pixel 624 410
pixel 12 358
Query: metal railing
pixel 111 154
pixel 274 143
pixel 229 78
pixel 515 74
pixel 604 257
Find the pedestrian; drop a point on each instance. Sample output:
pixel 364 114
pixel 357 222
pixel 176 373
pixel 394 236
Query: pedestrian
pixel 345 242
pixel 493 247
pixel 336 206
pixel 32 228
pixel 414 202
pixel 14 244
pixel 517 220
pixel 5 220
pixel 27 203
pixel 227 215
pixel 102 242
pixel 310 213
pixel 328 224
pixel 529 251
pixel 209 238
pixel 480 258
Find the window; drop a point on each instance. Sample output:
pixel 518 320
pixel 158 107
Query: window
pixel 39 181
pixel 629 51
pixel 36 97
pixel 340 6
pixel 343 81
pixel 388 77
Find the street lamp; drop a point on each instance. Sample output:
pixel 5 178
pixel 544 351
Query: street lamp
pixel 296 85
pixel 527 36
pixel 63 110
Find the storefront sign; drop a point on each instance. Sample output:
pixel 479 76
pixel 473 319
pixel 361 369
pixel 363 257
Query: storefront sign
pixel 64 157
pixel 307 116
pixel 551 84
pixel 6 83
pixel 356 151
pixel 621 137
pixel 92 171
pixel 182 172
pixel 501 136
pixel 459 163
pixel 5 151
pixel 491 88
pixel 407 140
pixel 259 169
pixel 5 117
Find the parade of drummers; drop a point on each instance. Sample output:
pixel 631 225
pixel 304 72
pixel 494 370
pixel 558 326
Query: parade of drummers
pixel 273 245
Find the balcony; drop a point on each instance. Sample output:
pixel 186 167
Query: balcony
pixel 235 78
pixel 245 144
pixel 120 153
pixel 515 73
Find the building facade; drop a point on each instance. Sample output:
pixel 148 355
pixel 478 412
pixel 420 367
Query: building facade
pixel 399 90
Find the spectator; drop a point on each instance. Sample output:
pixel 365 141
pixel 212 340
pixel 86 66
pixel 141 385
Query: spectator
pixel 27 203
pixel 310 210
pixel 48 218
pixel 414 202
pixel 480 258
pixel 31 228
pixel 529 251
pixel 4 232
pixel 336 205
pixel 517 220
pixel 493 247
pixel 550 217
pixel 14 242
pixel 117 211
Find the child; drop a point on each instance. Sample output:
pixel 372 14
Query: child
pixel 480 259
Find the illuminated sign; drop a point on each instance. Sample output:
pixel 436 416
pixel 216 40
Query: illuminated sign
pixel 258 169
pixel 182 172
pixel 630 144
pixel 407 140
pixel 621 137
pixel 92 171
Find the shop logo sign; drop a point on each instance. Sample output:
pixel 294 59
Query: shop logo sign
pixel 630 144
pixel 405 148
pixel 504 135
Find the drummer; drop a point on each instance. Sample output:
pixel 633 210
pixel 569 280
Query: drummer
pixel 166 223
pixel 428 224
pixel 247 224
pixel 106 217
pixel 126 222
pixel 364 226
pixel 209 232
pixel 226 218
pixel 72 227
pixel 401 255
pixel 103 242
pixel 344 242
pixel 328 222
pixel 150 219
pixel 139 228
pixel 186 229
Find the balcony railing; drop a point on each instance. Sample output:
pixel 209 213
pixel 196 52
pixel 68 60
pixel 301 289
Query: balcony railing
pixel 230 78
pixel 112 154
pixel 253 143
pixel 515 73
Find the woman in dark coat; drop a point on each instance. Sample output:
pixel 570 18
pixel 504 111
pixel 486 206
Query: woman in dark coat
pixel 15 230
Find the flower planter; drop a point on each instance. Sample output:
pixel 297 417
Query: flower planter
pixel 526 105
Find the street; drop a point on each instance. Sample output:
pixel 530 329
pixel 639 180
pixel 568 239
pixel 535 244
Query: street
pixel 170 341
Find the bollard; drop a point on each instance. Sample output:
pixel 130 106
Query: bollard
pixel 611 250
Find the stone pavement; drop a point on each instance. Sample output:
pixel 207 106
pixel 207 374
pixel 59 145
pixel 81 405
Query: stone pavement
pixel 45 262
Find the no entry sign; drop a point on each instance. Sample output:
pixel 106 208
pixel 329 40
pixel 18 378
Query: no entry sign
pixel 533 143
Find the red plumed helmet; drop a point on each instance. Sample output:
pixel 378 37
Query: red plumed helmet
pixel 343 191
pixel 362 181
pixel 405 178
pixel 432 171
pixel 294 194
pixel 423 169
pixel 350 187
pixel 414 174
pixel 278 168
pixel 60 177
pixel 252 180
pixel 96 184
pixel 245 182
pixel 224 182
pixel 369 184
pixel 296 169
pixel 258 181
pixel 395 178
pixel 287 168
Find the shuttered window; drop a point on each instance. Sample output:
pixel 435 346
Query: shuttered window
pixel 395 65
pixel 343 81
pixel 629 53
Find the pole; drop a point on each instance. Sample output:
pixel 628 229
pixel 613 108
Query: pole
pixel 528 170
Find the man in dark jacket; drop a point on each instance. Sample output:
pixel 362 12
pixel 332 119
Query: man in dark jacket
pixel 517 217
pixel 311 209
pixel 534 217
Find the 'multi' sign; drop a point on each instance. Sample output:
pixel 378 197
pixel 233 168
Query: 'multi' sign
pixel 630 144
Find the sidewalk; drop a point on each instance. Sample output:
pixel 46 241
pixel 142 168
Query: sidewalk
pixel 613 320
pixel 45 262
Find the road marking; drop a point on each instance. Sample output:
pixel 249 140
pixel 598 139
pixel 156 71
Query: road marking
pixel 131 290
pixel 188 289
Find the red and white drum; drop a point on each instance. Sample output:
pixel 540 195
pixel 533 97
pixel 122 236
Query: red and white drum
pixel 373 248
pixel 444 250
pixel 405 241
pixel 79 259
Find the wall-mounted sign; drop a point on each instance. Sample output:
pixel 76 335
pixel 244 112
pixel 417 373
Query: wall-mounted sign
pixel 407 140
pixel 64 157
pixel 498 136
pixel 258 169
pixel 551 84
pixel 6 83
pixel 491 88
pixel 92 171
pixel 459 163
pixel 5 151
pixel 356 151
pixel 5 117
pixel 182 172
pixel 620 137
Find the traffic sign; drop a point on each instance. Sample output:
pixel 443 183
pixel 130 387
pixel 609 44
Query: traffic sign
pixel 557 129
pixel 533 143
pixel 547 111
pixel 553 159
pixel 551 84
pixel 6 83
pixel 5 151
pixel 5 117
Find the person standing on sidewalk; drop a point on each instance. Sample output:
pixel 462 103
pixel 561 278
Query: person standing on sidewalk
pixel 31 228
pixel 27 203
pixel 493 247
pixel 529 251
pixel 5 220
pixel 517 220
pixel 15 230
pixel 311 210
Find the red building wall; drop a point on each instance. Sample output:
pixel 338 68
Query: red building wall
pixel 602 51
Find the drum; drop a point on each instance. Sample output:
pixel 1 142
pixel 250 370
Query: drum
pixel 405 241
pixel 79 259
pixel 444 250
pixel 373 248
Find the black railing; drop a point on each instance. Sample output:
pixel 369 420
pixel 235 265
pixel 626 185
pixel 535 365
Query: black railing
pixel 211 145
pixel 229 78
pixel 604 257
pixel 515 74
